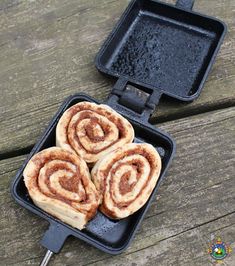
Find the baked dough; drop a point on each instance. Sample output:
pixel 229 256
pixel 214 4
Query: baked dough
pixel 59 183
pixel 92 131
pixel 126 178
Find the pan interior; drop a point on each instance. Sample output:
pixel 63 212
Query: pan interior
pixel 161 49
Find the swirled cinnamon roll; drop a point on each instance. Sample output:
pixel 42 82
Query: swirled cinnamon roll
pixel 92 130
pixel 125 178
pixel 59 183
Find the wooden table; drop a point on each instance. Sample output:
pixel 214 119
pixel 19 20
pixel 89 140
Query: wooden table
pixel 47 51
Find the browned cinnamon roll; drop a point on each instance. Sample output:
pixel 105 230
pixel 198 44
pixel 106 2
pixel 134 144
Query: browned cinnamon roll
pixel 126 178
pixel 92 130
pixel 59 183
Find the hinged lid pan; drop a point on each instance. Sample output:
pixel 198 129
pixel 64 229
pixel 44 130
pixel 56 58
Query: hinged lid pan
pixel 163 48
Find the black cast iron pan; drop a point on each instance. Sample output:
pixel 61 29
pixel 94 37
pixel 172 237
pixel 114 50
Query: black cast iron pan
pixel 164 48
pixel 154 49
pixel 108 235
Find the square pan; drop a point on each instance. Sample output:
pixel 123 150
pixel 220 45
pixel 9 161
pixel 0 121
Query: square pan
pixel 162 47
pixel 108 235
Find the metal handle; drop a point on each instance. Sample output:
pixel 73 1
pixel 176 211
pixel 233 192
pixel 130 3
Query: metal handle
pixel 53 240
pixel 185 4
pixel 46 258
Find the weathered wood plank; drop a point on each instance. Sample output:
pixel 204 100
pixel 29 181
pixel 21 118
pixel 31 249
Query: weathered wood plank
pixel 187 248
pixel 198 189
pixel 47 51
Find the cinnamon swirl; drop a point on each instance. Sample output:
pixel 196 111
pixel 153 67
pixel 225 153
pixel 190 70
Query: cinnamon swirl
pixel 92 130
pixel 59 183
pixel 126 178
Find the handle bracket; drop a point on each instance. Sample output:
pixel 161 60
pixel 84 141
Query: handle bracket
pixel 185 4
pixel 55 237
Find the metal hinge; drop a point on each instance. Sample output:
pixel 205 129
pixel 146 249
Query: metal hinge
pixel 133 99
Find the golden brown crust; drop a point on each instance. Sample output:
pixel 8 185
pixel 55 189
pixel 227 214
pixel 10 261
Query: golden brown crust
pixel 92 130
pixel 59 182
pixel 126 178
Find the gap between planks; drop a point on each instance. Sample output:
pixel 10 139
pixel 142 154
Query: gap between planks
pixel 170 118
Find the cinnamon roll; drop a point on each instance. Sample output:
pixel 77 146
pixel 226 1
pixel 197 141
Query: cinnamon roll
pixel 126 178
pixel 59 183
pixel 92 131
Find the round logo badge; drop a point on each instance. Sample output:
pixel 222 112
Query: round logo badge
pixel 219 250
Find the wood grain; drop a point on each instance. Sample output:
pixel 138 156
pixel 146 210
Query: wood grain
pixel 186 248
pixel 195 203
pixel 47 51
